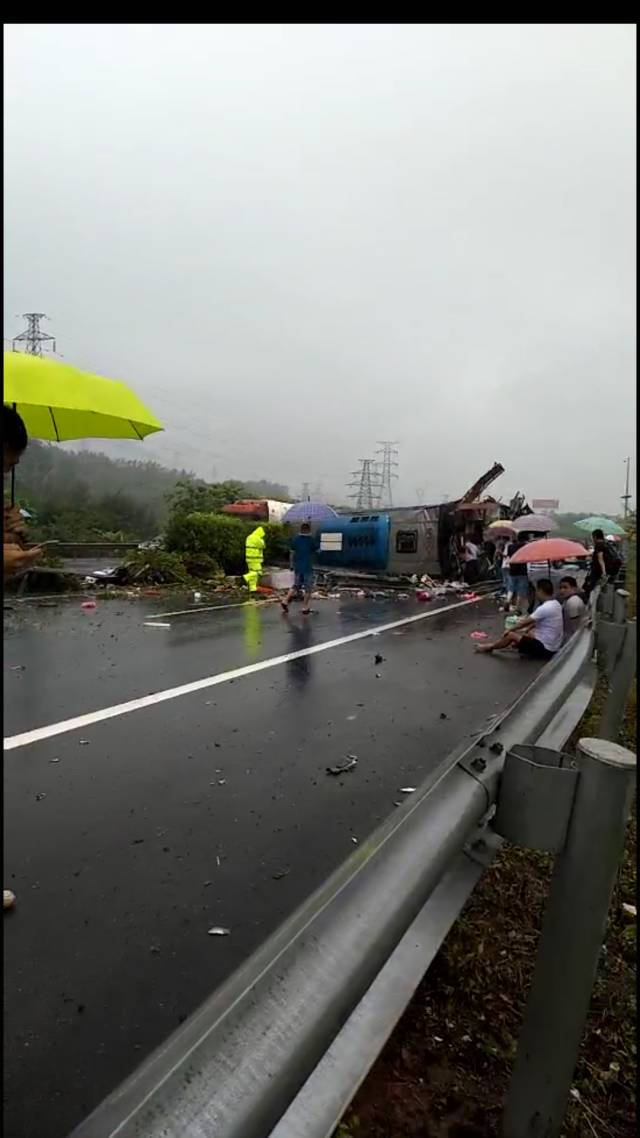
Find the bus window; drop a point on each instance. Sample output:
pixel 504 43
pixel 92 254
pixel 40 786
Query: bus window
pixel 407 541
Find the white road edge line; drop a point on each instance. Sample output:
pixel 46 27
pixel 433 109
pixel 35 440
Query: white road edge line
pixel 92 717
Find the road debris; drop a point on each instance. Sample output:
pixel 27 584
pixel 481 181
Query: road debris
pixel 346 765
pixel 54 760
pixel 280 874
pixel 407 789
pixel 18 668
pixel 8 899
pixel 83 743
pixel 478 635
pixel 630 911
pixel 88 605
pixel 39 797
pixel 443 715
pixel 218 931
pixel 379 659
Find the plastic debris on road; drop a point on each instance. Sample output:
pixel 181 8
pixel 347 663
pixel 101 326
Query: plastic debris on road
pixel 479 635
pixel 9 899
pixel 470 597
pixel 407 789
pixel 218 931
pixel 88 605
pixel 346 765
pixel 423 596
pixel 280 874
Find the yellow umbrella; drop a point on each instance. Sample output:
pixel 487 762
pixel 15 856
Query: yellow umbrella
pixel 59 402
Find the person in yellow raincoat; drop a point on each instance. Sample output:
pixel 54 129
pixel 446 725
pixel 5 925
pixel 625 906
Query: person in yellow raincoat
pixel 254 553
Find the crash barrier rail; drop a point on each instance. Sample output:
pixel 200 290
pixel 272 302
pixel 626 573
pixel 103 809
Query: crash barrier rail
pixel 282 1046
pixel 89 548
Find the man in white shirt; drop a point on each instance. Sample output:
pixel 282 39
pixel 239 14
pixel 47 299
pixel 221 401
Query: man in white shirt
pixel 471 566
pixel 538 636
pixel 573 606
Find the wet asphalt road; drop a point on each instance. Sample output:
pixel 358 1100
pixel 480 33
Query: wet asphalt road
pixel 127 840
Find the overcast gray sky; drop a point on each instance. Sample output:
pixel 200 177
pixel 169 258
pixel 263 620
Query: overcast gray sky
pixel 294 240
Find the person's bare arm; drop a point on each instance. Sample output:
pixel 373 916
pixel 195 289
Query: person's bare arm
pixel 601 563
pixel 15 530
pixel 524 624
pixel 16 559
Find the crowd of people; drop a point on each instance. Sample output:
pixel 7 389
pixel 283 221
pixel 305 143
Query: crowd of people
pixel 544 617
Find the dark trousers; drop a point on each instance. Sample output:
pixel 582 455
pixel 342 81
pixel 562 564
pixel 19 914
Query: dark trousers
pixel 471 572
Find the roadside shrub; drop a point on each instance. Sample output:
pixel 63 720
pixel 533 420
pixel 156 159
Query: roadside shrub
pixel 202 566
pixel 157 567
pixel 222 538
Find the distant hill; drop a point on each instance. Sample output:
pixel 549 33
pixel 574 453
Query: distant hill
pixel 86 495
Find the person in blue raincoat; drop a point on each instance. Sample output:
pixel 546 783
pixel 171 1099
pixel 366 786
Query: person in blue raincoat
pixel 254 553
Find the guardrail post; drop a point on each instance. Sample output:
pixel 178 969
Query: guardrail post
pixel 620 678
pixel 620 605
pixel 570 942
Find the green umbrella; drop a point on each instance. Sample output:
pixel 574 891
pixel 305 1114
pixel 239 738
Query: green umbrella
pixel 607 525
pixel 58 402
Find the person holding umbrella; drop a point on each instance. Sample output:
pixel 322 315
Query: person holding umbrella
pixel 518 577
pixel 14 443
pixel 303 548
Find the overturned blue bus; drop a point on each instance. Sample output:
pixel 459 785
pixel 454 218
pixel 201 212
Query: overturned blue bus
pixel 410 540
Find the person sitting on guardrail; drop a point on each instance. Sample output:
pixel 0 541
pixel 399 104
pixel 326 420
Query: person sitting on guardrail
pixel 538 636
pixel 605 562
pixel 573 606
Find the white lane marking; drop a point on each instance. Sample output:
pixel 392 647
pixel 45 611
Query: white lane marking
pixel 155 624
pixel 215 608
pixel 88 720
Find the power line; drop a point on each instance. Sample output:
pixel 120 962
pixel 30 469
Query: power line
pixel 32 337
pixel 367 483
pixel 389 450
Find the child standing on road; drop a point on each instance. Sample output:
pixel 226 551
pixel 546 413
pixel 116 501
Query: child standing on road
pixel 301 554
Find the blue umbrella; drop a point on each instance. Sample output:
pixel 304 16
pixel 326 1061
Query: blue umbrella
pixel 309 512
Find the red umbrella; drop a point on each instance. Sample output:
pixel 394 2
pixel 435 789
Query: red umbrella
pixel 549 549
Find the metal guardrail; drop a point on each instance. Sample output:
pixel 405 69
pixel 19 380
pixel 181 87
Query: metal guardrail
pixel 86 548
pixel 282 1046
